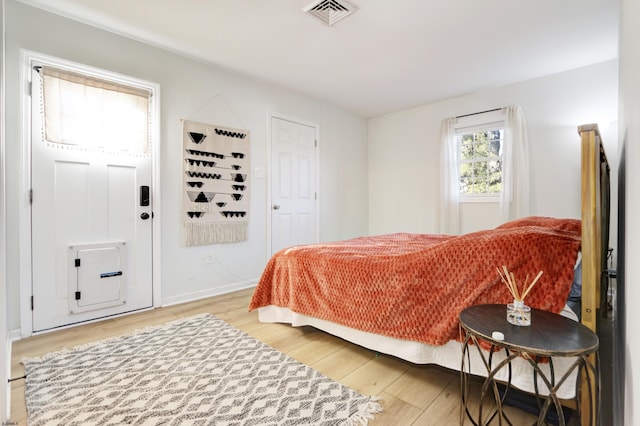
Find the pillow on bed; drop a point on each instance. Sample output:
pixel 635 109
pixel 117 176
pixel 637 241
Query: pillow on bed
pixel 575 296
pixel 569 225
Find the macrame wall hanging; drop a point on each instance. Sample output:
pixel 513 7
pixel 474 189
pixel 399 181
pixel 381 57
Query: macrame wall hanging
pixel 216 176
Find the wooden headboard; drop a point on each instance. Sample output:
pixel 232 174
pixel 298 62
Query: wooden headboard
pixel 595 223
pixel 595 247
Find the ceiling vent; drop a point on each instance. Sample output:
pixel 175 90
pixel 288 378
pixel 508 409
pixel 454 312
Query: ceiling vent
pixel 330 11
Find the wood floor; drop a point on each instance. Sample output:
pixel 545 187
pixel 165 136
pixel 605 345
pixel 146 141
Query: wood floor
pixel 410 394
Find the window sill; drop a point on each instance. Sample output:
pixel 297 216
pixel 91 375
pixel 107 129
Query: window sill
pixel 489 199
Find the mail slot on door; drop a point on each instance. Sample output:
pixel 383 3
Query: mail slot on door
pixel 110 274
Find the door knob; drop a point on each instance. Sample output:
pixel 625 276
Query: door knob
pixel 276 207
pixel 144 216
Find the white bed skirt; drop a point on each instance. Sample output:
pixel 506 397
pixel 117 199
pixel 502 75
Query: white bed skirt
pixel 448 355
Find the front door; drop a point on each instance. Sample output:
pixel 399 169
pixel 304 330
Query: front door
pixel 91 218
pixel 293 186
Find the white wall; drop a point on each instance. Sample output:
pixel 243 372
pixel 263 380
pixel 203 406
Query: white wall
pixel 404 149
pixel 5 346
pixel 190 90
pixel 630 140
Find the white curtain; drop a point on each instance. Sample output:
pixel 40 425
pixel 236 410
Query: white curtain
pixel 514 200
pixel 91 112
pixel 449 190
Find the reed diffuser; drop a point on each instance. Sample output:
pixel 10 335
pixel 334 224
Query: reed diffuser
pixel 517 312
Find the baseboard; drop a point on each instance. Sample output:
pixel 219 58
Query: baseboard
pixel 15 335
pixel 203 294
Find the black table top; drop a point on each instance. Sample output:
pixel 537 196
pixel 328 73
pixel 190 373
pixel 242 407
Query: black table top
pixel 548 335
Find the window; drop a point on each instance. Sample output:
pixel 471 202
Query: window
pixel 94 112
pixel 480 160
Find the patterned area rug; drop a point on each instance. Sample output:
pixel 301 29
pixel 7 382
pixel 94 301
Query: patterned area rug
pixel 197 371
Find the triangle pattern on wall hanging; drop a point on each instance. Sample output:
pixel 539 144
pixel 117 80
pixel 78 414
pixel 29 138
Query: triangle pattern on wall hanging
pixel 225 180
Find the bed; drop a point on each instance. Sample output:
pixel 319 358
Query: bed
pixel 400 294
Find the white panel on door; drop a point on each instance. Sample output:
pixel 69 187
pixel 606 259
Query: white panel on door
pixel 304 177
pixel 286 229
pixel 304 227
pixel 284 136
pixel 70 196
pixel 121 192
pixel 97 276
pixel 304 141
pixel 286 171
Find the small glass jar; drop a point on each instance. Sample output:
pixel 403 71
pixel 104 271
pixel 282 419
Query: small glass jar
pixel 518 313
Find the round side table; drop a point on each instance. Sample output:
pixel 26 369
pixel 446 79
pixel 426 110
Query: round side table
pixel 549 335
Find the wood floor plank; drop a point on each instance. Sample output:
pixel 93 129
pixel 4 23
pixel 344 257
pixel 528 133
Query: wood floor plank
pixel 376 375
pixel 342 362
pixel 396 412
pixel 421 385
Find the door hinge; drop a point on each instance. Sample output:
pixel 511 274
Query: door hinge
pixel 30 88
pixel 78 295
pixel 77 263
pixel 315 143
pixel 32 302
pixel 31 196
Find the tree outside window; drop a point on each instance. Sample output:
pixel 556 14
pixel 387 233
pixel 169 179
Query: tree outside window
pixel 481 163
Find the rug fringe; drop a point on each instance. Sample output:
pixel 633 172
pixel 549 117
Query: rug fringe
pixel 201 234
pixel 366 413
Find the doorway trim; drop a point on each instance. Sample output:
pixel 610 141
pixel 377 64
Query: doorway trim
pixel 269 180
pixel 24 219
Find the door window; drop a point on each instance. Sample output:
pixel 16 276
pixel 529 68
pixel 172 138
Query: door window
pixel 93 112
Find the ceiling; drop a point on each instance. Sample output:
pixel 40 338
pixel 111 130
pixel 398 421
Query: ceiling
pixel 385 57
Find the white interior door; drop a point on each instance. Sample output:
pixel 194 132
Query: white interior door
pixel 293 184
pixel 91 218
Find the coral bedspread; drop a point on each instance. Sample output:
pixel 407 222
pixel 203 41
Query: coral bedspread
pixel 413 286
